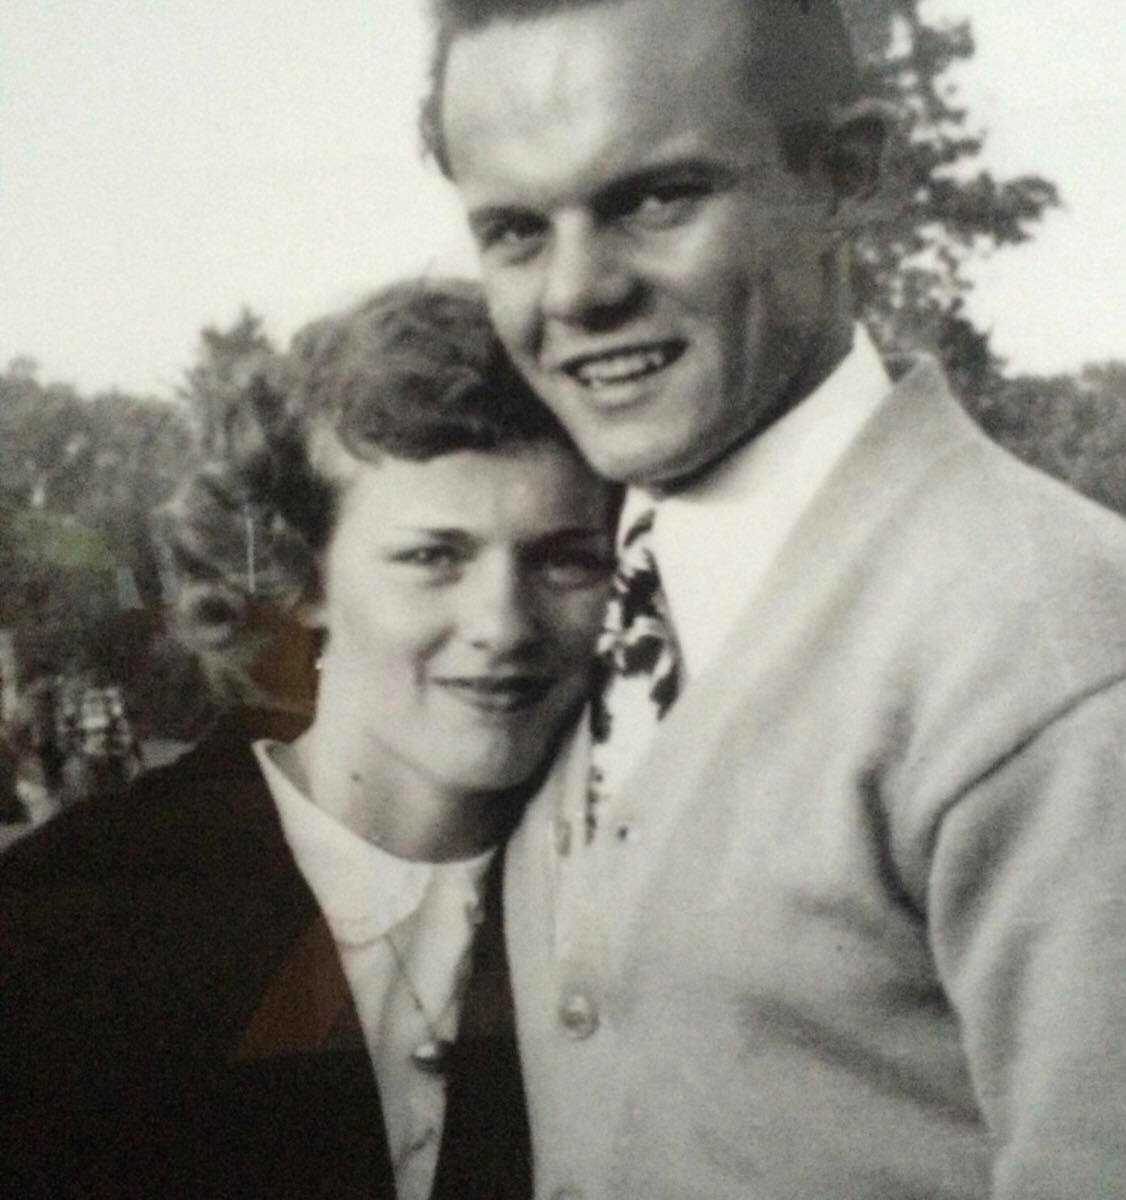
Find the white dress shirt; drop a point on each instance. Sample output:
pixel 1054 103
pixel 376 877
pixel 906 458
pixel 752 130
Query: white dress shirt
pixel 715 542
pixel 430 910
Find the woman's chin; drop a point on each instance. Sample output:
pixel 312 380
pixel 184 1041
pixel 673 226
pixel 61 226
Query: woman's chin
pixel 517 767
pixel 491 778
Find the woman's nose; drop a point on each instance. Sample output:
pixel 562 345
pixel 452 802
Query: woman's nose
pixel 500 613
pixel 587 277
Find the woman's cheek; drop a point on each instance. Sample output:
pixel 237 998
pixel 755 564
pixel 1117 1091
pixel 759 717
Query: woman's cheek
pixel 583 622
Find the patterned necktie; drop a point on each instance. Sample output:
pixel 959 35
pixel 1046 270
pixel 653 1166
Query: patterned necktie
pixel 638 669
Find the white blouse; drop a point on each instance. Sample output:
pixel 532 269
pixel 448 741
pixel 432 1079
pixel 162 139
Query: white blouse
pixel 430 910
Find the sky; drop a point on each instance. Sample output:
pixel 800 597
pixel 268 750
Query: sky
pixel 164 163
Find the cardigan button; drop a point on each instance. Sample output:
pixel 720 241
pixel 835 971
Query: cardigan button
pixel 562 837
pixel 578 1015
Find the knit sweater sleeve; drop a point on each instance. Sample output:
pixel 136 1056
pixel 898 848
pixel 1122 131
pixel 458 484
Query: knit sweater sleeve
pixel 1027 912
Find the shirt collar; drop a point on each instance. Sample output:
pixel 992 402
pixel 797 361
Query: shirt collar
pixel 363 891
pixel 716 540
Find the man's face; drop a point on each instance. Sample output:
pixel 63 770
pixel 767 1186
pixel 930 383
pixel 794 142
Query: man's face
pixel 651 265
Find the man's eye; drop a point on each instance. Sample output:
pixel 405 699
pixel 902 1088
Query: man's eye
pixel 667 205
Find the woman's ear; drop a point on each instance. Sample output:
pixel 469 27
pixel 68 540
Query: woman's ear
pixel 311 614
pixel 852 161
pixel 310 609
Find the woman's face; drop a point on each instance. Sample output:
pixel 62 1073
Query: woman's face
pixel 462 597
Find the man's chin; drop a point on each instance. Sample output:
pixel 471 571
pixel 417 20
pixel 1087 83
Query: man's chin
pixel 642 462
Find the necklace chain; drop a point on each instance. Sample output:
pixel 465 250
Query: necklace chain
pixel 405 975
pixel 432 1055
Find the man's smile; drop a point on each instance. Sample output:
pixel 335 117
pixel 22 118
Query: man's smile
pixel 627 364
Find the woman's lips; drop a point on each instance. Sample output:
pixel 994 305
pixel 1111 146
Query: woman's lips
pixel 498 694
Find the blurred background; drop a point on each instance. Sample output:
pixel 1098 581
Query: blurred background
pixel 184 184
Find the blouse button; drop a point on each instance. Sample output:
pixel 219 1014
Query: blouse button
pixel 578 1015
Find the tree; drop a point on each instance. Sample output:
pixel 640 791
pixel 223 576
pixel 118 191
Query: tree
pixel 215 386
pixel 44 438
pixel 139 450
pixel 56 569
pixel 78 480
pixel 909 276
pixel 1074 427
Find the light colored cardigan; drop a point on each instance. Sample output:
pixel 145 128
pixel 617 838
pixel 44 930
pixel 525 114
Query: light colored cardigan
pixel 867 938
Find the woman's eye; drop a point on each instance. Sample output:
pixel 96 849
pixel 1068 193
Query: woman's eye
pixel 427 557
pixel 577 569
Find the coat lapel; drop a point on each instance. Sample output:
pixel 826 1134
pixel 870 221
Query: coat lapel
pixel 486 1145
pixel 306 1005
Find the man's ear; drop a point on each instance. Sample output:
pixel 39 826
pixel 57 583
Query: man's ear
pixel 852 161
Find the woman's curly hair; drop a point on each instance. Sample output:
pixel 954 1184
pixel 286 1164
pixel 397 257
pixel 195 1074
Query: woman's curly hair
pixel 413 371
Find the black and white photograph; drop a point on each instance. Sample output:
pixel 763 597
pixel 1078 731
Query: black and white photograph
pixel 563 610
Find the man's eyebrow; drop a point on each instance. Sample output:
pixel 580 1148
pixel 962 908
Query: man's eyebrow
pixel 676 164
pixel 651 175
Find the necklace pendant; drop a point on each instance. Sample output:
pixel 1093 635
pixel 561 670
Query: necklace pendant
pixel 432 1056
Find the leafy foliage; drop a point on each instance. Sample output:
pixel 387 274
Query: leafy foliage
pixel 43 438
pixel 1072 427
pixel 78 479
pixel 140 449
pixel 215 387
pixel 910 278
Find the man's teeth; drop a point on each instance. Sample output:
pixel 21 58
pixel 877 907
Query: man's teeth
pixel 619 368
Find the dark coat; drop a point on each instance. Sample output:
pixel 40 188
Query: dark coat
pixel 175 1019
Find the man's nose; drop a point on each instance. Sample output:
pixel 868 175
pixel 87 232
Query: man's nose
pixel 588 278
pixel 500 613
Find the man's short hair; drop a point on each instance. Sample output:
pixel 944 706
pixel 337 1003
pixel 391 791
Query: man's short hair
pixel 803 72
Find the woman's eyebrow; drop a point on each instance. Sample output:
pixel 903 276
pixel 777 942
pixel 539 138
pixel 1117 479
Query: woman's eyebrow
pixel 576 533
pixel 444 531
pixel 571 533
